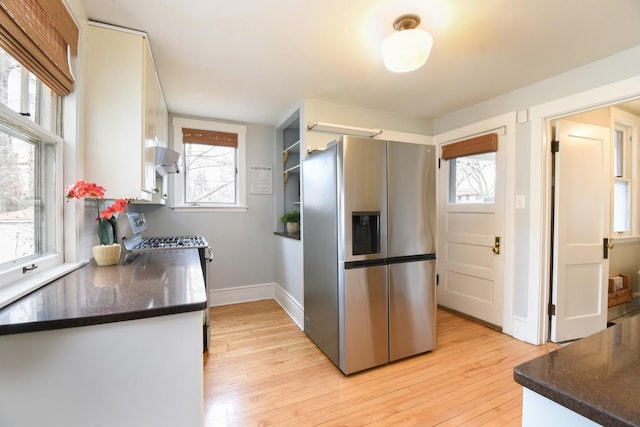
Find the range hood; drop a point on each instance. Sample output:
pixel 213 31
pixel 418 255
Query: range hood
pixel 167 160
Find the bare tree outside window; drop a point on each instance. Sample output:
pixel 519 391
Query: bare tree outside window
pixel 210 174
pixel 475 179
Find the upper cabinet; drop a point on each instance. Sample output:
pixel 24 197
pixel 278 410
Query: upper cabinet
pixel 126 114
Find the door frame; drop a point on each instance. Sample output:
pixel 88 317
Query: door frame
pixel 536 329
pixel 508 122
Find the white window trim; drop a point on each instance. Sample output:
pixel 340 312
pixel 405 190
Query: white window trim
pixel 177 199
pixel 623 119
pixel 13 283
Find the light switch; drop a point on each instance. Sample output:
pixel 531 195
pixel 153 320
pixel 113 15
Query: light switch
pixel 520 201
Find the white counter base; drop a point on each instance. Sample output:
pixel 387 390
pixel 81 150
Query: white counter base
pixel 538 411
pixel 145 372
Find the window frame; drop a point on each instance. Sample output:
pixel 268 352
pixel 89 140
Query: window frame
pixel 178 194
pixel 625 177
pixel 453 171
pixel 629 123
pixel 13 283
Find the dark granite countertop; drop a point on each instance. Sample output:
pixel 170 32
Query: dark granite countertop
pixel 597 377
pixel 142 285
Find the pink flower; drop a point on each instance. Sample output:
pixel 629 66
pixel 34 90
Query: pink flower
pixel 84 189
pixel 106 222
pixel 120 205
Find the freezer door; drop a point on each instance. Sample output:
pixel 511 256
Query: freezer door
pixel 411 198
pixel 412 308
pixel 364 322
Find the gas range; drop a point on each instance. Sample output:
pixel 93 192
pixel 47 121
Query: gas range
pixel 170 242
pixel 133 225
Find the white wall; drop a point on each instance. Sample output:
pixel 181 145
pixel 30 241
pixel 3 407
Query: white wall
pixel 624 65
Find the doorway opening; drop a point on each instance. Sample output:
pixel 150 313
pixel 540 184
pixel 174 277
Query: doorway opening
pixel 594 219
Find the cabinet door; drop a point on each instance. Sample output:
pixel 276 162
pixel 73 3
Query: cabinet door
pixel 116 99
pixel 150 122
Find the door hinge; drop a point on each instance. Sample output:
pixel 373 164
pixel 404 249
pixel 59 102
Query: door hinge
pixel 437 279
pixel 555 146
pixel 552 309
pixel 439 163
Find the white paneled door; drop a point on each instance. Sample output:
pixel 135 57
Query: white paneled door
pixel 581 223
pixel 471 231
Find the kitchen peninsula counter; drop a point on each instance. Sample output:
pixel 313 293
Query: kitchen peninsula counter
pixel 118 345
pixel 142 285
pixel 593 381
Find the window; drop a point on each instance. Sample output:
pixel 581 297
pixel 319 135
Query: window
pixel 621 180
pixel 37 39
pixel 473 179
pixel 213 156
pixel 472 169
pixel 30 195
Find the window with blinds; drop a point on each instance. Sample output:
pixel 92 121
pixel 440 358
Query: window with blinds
pixel 37 34
pixel 213 157
pixel 210 166
pixel 472 169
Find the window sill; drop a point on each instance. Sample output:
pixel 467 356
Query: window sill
pixel 17 290
pixel 205 208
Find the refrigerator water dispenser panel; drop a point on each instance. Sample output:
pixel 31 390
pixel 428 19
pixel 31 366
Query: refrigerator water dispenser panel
pixel 365 229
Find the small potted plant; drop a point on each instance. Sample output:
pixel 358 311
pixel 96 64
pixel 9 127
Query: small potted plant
pixel 291 221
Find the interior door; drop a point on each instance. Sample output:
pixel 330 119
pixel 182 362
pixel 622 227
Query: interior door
pixel 471 232
pixel 581 222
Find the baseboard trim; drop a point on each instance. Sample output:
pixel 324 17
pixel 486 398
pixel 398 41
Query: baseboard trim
pixel 290 306
pixel 226 296
pixel 240 294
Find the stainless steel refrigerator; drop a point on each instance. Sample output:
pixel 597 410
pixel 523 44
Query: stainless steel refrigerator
pixel 369 251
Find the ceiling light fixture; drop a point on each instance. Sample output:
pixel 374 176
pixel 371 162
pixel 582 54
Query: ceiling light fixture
pixel 408 48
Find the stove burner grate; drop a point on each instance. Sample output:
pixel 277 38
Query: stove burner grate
pixel 172 242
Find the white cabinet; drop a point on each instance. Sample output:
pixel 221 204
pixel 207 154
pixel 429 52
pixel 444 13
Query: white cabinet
pixel 126 113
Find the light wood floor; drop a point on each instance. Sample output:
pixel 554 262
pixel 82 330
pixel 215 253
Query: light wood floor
pixel 261 370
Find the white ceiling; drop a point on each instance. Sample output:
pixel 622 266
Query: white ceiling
pixel 253 60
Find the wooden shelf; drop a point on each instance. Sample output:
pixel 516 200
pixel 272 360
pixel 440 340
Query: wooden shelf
pixel 293 148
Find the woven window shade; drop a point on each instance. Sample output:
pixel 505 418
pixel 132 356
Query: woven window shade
pixel 478 145
pixel 209 137
pixel 37 33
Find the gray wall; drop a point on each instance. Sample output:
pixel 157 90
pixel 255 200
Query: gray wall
pixel 242 242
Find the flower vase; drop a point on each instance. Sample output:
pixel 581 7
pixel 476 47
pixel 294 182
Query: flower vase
pixel 106 254
pixel 292 227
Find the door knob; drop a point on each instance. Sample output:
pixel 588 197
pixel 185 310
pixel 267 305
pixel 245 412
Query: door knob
pixel 496 246
pixel 607 245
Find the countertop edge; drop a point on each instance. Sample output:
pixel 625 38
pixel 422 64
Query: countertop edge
pixel 21 328
pixel 578 406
